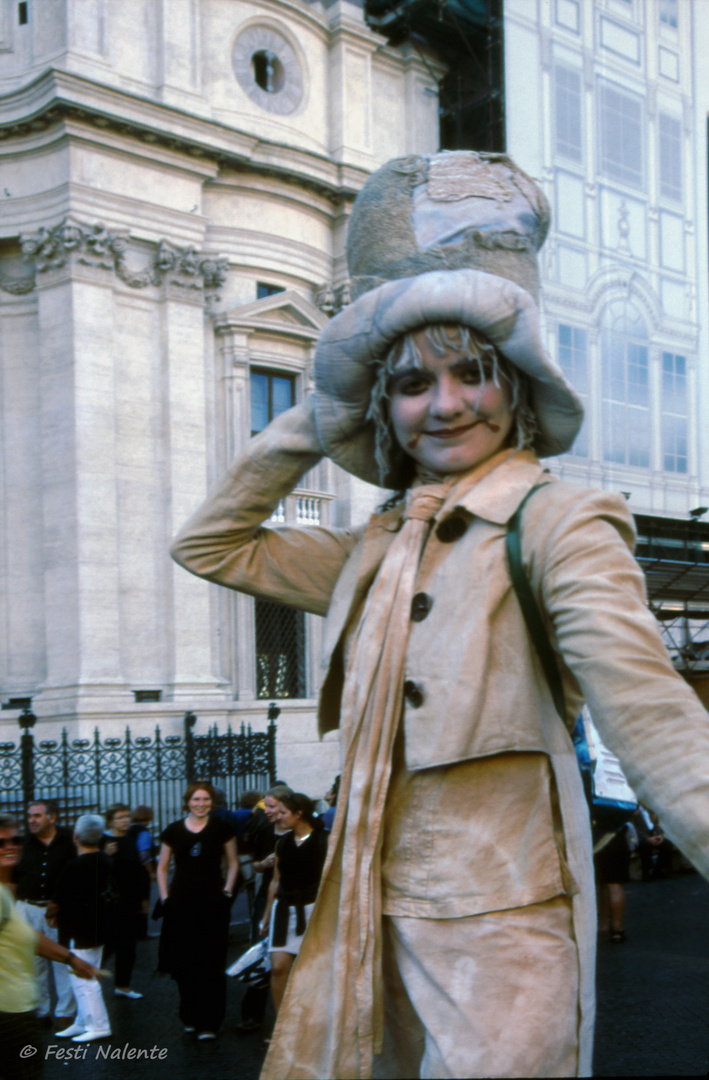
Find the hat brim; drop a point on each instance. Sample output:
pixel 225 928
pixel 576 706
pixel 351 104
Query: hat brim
pixel 356 339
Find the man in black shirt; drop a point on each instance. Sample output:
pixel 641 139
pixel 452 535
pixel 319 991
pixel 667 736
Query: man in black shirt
pixel 47 849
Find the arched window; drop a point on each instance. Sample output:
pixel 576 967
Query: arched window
pixel 626 392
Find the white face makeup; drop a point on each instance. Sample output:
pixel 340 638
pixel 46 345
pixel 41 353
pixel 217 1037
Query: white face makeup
pixel 443 416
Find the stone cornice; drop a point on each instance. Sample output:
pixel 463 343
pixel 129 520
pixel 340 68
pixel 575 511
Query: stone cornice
pixel 57 95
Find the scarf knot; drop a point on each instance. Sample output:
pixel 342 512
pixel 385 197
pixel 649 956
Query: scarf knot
pixel 424 502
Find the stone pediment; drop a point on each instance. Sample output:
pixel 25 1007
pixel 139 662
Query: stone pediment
pixel 286 313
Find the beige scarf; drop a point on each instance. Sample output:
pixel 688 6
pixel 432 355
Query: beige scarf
pixel 331 1021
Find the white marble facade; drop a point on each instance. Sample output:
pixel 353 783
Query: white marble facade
pixel 163 162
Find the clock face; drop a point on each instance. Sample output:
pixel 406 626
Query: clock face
pixel 267 68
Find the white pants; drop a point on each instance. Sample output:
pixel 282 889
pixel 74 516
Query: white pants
pixel 65 1006
pixel 91 1012
pixel 492 995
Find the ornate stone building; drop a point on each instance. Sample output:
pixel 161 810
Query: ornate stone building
pixel 176 181
pixel 607 103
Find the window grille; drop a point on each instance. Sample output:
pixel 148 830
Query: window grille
pixel 567 95
pixel 280 651
pixel 626 388
pixel 670 158
pixel 621 142
pixel 574 364
pixel 674 412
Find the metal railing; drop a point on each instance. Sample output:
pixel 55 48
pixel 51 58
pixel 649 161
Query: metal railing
pixel 84 775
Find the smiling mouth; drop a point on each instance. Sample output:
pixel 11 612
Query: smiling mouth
pixel 452 433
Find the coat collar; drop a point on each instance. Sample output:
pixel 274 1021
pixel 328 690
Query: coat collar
pixel 494 498
pixel 498 494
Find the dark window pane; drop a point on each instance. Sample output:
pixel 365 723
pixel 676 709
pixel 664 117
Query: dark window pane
pixel 271 394
pixel 259 402
pixel 263 289
pixel 281 395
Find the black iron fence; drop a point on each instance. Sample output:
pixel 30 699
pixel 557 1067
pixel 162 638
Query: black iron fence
pixel 84 775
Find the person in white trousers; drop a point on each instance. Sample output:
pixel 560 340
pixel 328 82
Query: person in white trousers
pixel 81 912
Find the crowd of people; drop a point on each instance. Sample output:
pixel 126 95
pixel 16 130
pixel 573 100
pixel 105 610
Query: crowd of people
pixel 72 899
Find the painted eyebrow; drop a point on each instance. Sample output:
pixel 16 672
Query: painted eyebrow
pixel 403 373
pixel 467 362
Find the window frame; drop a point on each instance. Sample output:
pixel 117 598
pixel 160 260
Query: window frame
pixel 566 150
pixel 635 350
pixel 670 394
pixel 577 370
pixel 619 171
pixel 271 373
pixel 666 157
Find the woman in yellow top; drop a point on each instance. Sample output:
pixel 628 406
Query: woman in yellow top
pixel 19 943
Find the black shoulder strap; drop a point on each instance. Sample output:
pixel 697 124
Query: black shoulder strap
pixel 529 606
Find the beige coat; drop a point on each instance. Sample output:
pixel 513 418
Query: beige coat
pixel 471 657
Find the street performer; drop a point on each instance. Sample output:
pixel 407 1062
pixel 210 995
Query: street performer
pixel 455 929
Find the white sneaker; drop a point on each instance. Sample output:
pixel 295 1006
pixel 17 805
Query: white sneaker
pixel 69 1032
pixel 132 994
pixel 90 1035
pixel 206 1035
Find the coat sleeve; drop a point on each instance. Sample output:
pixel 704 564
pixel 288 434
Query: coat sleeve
pixel 225 541
pixel 594 594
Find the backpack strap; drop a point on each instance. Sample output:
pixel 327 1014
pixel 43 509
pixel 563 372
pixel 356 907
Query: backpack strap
pixel 529 605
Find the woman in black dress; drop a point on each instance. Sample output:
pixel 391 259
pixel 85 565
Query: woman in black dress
pixel 196 909
pixel 300 857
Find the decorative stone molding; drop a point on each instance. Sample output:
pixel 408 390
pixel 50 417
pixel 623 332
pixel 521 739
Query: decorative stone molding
pixel 96 245
pixel 60 97
pixel 16 286
pixel 332 300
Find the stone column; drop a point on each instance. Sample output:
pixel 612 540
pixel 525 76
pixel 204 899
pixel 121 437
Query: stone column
pixel 186 408
pixel 75 311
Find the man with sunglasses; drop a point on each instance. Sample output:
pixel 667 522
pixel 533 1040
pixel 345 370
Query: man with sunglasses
pixel 46 850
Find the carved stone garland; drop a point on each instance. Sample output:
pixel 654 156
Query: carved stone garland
pixel 96 245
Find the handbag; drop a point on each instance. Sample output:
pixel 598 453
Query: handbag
pixel 609 811
pixel 254 967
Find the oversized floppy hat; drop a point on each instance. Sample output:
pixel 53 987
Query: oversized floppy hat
pixel 449 238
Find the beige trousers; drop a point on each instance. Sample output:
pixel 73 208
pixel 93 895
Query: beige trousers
pixel 486 995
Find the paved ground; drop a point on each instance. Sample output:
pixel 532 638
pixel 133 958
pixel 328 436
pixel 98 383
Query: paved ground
pixel 653 1004
pixel 653 991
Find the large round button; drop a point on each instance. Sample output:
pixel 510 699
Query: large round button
pixel 420 606
pixel 451 528
pixel 413 694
